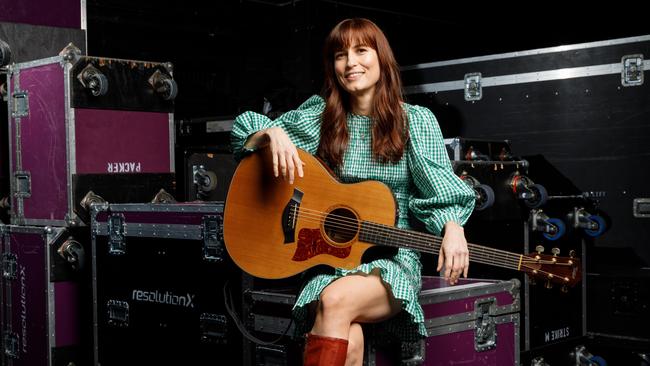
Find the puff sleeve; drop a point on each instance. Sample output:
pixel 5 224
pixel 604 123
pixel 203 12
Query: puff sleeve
pixel 301 125
pixel 440 196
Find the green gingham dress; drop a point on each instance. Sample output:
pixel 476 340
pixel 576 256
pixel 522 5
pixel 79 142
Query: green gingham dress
pixel 423 182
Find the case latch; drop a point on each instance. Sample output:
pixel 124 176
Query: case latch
pixel 485 335
pixel 214 328
pixel 23 184
pixel 9 266
pixel 212 231
pixel 20 104
pixel 116 242
pixel 11 345
pixel 473 86
pixel 118 313
pixel 632 70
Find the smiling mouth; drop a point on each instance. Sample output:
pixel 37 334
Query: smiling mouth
pixel 353 75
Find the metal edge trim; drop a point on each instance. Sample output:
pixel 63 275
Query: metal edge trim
pixel 50 234
pixel 469 316
pixel 517 326
pixel 435 298
pixel 537 51
pixel 215 208
pixel 13 133
pixel 39 62
pixel 528 77
pixel 161 231
pixel 459 327
pixel 22 229
pixel 44 222
pixel 93 263
pixel 71 141
pixel 84 18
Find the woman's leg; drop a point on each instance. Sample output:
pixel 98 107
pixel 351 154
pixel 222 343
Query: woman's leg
pixel 344 304
pixel 353 299
pixel 355 346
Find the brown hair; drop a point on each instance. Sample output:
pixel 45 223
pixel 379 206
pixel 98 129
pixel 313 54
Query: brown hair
pixel 389 131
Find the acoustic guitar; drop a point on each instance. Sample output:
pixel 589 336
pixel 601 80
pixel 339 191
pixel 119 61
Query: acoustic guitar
pixel 274 230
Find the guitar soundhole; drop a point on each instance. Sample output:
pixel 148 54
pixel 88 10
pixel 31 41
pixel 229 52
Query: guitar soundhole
pixel 341 225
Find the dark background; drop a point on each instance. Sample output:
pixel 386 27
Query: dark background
pixel 229 55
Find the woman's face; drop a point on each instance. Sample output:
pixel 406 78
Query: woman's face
pixel 357 69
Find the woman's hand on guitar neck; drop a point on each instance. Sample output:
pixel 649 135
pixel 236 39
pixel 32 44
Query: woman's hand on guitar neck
pixel 285 156
pixel 454 255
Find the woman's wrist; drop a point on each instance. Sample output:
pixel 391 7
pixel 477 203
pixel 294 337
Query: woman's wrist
pixel 257 140
pixel 452 226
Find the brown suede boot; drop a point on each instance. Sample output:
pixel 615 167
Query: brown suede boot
pixel 325 351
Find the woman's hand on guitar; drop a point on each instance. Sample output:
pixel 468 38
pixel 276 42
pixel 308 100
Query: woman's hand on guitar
pixel 285 156
pixel 454 255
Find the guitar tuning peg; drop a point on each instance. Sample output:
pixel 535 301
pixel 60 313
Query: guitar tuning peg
pixel 572 253
pixel 548 284
pixel 539 249
pixel 555 251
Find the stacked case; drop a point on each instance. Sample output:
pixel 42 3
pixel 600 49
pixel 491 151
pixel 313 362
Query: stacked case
pixel 81 130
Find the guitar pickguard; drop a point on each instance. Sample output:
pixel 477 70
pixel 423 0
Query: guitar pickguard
pixel 311 244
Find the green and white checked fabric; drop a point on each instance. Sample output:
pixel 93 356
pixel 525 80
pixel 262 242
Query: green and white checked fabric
pixel 423 182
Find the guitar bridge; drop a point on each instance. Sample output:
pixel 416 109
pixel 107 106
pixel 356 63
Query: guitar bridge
pixel 290 216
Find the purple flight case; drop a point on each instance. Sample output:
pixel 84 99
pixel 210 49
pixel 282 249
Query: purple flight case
pixel 475 322
pixel 62 13
pixel 66 142
pixel 42 319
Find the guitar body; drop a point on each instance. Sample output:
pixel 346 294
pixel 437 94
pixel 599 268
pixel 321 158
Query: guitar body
pixel 275 230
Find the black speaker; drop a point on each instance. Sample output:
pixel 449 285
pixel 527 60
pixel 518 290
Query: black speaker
pixel 207 173
pixel 204 158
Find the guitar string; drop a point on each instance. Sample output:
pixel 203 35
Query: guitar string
pixel 486 260
pixel 351 224
pixel 478 254
pixel 353 227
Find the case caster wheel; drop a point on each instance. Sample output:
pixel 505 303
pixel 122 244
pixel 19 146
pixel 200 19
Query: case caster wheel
pixel 168 89
pixel 93 80
pixel 72 251
pixel 539 196
pixel 205 180
pixel 484 197
pixel 601 226
pixel 89 199
pixel 163 197
pixel 560 229
pixel 164 85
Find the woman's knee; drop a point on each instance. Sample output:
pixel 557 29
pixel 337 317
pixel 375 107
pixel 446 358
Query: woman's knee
pixel 332 301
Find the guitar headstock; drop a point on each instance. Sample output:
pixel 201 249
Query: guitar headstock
pixel 565 271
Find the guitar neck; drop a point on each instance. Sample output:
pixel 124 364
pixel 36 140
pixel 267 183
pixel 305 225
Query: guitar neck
pixel 385 235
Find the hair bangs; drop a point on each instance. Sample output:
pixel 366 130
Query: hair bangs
pixel 350 34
